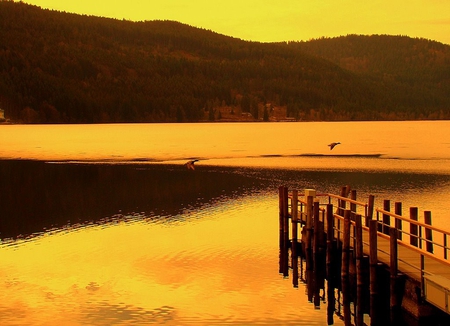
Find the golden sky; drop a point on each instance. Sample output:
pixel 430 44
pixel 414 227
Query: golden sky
pixel 289 20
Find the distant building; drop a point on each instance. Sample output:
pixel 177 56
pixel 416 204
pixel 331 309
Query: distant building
pixel 287 119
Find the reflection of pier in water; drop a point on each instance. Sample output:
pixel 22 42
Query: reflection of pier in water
pixel 365 270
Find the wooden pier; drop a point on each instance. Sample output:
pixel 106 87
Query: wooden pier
pixel 379 262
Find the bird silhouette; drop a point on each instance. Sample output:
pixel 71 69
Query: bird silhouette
pixel 190 164
pixel 332 145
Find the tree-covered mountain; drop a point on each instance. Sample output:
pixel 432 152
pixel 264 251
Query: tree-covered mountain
pixel 416 70
pixel 64 68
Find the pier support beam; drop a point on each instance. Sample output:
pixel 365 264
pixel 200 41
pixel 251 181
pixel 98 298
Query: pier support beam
pixel 284 229
pixel 294 243
pixel 374 296
pixel 359 271
pixel 330 262
pixel 308 247
pixel 345 268
pixel 393 267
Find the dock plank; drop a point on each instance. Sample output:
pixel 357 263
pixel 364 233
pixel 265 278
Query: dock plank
pixel 409 259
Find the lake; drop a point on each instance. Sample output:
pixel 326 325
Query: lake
pixel 103 225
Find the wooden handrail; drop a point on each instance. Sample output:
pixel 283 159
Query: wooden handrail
pixel 348 200
pixel 404 218
pixel 396 216
pixel 388 228
pixel 403 243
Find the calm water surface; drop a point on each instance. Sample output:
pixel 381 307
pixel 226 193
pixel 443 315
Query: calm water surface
pixel 141 240
pixel 413 140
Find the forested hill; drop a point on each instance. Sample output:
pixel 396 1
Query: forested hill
pixel 417 70
pixel 65 68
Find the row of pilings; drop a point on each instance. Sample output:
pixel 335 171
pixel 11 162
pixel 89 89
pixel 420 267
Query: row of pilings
pixel 356 287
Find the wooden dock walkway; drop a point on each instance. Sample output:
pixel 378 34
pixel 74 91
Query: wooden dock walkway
pixel 414 253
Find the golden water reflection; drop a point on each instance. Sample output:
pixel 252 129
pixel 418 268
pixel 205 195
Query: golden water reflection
pixel 186 248
pixel 409 140
pixel 221 268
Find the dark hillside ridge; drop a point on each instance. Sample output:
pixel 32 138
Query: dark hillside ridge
pixel 64 68
pixel 417 70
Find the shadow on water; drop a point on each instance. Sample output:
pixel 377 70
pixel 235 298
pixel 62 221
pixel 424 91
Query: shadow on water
pixel 36 195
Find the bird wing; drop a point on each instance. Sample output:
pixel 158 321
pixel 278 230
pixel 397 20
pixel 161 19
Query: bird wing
pixel 190 164
pixel 332 145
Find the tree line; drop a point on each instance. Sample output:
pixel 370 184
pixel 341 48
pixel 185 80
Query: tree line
pixel 57 67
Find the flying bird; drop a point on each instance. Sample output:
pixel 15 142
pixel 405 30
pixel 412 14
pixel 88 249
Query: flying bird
pixel 190 164
pixel 332 145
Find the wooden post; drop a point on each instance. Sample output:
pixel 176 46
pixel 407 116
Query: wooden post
pixel 309 277
pixel 294 221
pixel 342 203
pixel 308 248
pixel 369 213
pixel 302 278
pixel 352 205
pixel 394 304
pixel 345 268
pixel 330 238
pixel 285 253
pixel 329 261
pixel 347 189
pixel 422 276
pixel 316 244
pixel 300 216
pixel 309 229
pixel 445 246
pixel 309 221
pixel 353 209
pixel 316 238
pixel 331 303
pixel 353 217
pixel 398 222
pixel 373 262
pixel 359 271
pixel 386 218
pixel 286 217
pixel 281 222
pixel 428 232
pixel 323 235
pixel 413 229
pixel 281 212
pixel 340 212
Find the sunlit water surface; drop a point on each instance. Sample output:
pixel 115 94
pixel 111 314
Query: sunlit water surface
pixel 409 140
pixel 144 241
pixel 197 268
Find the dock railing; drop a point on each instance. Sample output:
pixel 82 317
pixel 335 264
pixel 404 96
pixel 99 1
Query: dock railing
pixel 404 244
